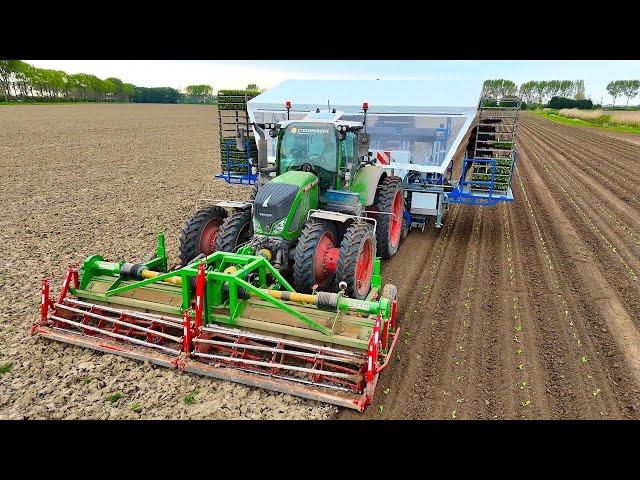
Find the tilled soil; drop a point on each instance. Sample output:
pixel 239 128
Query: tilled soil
pixel 526 310
pixel 78 180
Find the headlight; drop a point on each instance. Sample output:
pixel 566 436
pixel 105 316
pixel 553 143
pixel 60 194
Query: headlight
pixel 278 227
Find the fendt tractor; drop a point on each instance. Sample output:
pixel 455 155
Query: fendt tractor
pixel 284 290
pixel 327 213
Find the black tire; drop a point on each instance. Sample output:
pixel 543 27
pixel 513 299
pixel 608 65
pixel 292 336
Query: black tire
pixel 350 248
pixel 194 227
pixel 384 203
pixel 236 230
pixel 304 277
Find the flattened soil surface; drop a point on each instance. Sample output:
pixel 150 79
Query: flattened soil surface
pixel 527 310
pixel 83 179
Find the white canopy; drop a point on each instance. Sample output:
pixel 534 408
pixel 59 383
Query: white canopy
pixel 421 122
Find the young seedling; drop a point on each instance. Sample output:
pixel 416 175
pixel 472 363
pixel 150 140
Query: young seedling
pixel 6 368
pixel 518 351
pixel 114 397
pixel 596 392
pixel 454 414
pixel 460 400
pixel 525 403
pixel 381 408
pixel 87 380
pixel 518 328
pixel 386 391
pixel 521 366
pixel 584 359
pixel 136 407
pixel 189 398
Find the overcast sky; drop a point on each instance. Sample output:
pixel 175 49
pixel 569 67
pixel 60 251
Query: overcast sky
pixel 267 73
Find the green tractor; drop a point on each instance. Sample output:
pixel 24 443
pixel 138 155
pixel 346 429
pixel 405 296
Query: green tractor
pixel 328 211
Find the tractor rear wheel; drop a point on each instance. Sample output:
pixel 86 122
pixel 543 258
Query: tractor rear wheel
pixel 314 262
pixel 389 200
pixel 199 233
pixel 236 230
pixel 355 261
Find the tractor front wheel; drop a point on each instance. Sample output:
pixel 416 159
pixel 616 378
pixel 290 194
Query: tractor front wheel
pixel 236 230
pixel 199 233
pixel 315 257
pixel 355 262
pixel 389 201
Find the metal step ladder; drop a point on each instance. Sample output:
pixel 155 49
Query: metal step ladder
pixel 495 140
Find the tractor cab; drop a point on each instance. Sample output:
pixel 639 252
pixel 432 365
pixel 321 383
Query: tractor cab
pixel 328 149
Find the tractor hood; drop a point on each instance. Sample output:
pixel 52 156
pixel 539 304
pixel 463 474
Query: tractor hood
pixel 276 201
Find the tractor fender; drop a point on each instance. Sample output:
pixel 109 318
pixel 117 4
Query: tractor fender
pixel 366 182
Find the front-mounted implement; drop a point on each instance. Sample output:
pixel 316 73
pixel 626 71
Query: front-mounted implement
pixel 231 316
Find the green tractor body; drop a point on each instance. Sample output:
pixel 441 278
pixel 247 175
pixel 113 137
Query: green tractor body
pixel 328 211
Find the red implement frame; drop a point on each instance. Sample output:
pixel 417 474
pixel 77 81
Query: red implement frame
pixel 326 374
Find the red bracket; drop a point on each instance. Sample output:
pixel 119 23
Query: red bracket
pixel 200 283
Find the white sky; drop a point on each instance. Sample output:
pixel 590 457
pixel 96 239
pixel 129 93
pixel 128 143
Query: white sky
pixel 267 73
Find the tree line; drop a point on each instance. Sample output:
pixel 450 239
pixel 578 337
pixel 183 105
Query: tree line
pixel 20 81
pixel 542 92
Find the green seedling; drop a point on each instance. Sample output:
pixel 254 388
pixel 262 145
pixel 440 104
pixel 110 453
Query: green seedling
pixel 398 357
pixel 189 398
pixel 596 392
pixel 6 368
pixel 408 333
pixel 523 385
pixel 10 329
pixel 454 414
pixel 114 397
pixel 521 366
pixel 87 380
pixel 525 403
pixel 589 376
pixel 584 359
pixel 381 408
pixel 136 407
pixel 518 351
pixel 460 400
pixel 386 391
pixel 518 328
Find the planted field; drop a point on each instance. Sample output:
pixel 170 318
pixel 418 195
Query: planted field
pixel 528 310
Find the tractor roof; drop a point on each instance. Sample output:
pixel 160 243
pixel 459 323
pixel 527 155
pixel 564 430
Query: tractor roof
pixel 422 122
pixel 384 96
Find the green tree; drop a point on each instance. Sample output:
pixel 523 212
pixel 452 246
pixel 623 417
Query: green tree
pixel 527 91
pixel 252 86
pixel 615 88
pixel 541 89
pixel 580 91
pixel 630 89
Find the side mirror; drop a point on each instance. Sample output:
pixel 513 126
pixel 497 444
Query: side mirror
pixel 362 144
pixel 241 134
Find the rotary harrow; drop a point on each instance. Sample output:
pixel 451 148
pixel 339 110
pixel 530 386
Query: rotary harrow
pixel 231 316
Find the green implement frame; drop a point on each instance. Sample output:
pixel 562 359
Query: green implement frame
pixel 240 290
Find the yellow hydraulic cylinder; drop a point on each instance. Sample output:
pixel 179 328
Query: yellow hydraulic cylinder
pixel 177 280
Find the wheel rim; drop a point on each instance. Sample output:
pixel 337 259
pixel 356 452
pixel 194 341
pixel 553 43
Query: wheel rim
pixel 208 236
pixel 321 275
pixel 396 220
pixel 364 268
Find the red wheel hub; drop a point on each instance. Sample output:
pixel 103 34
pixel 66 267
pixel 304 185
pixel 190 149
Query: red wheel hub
pixel 325 260
pixel 396 219
pixel 364 268
pixel 208 236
